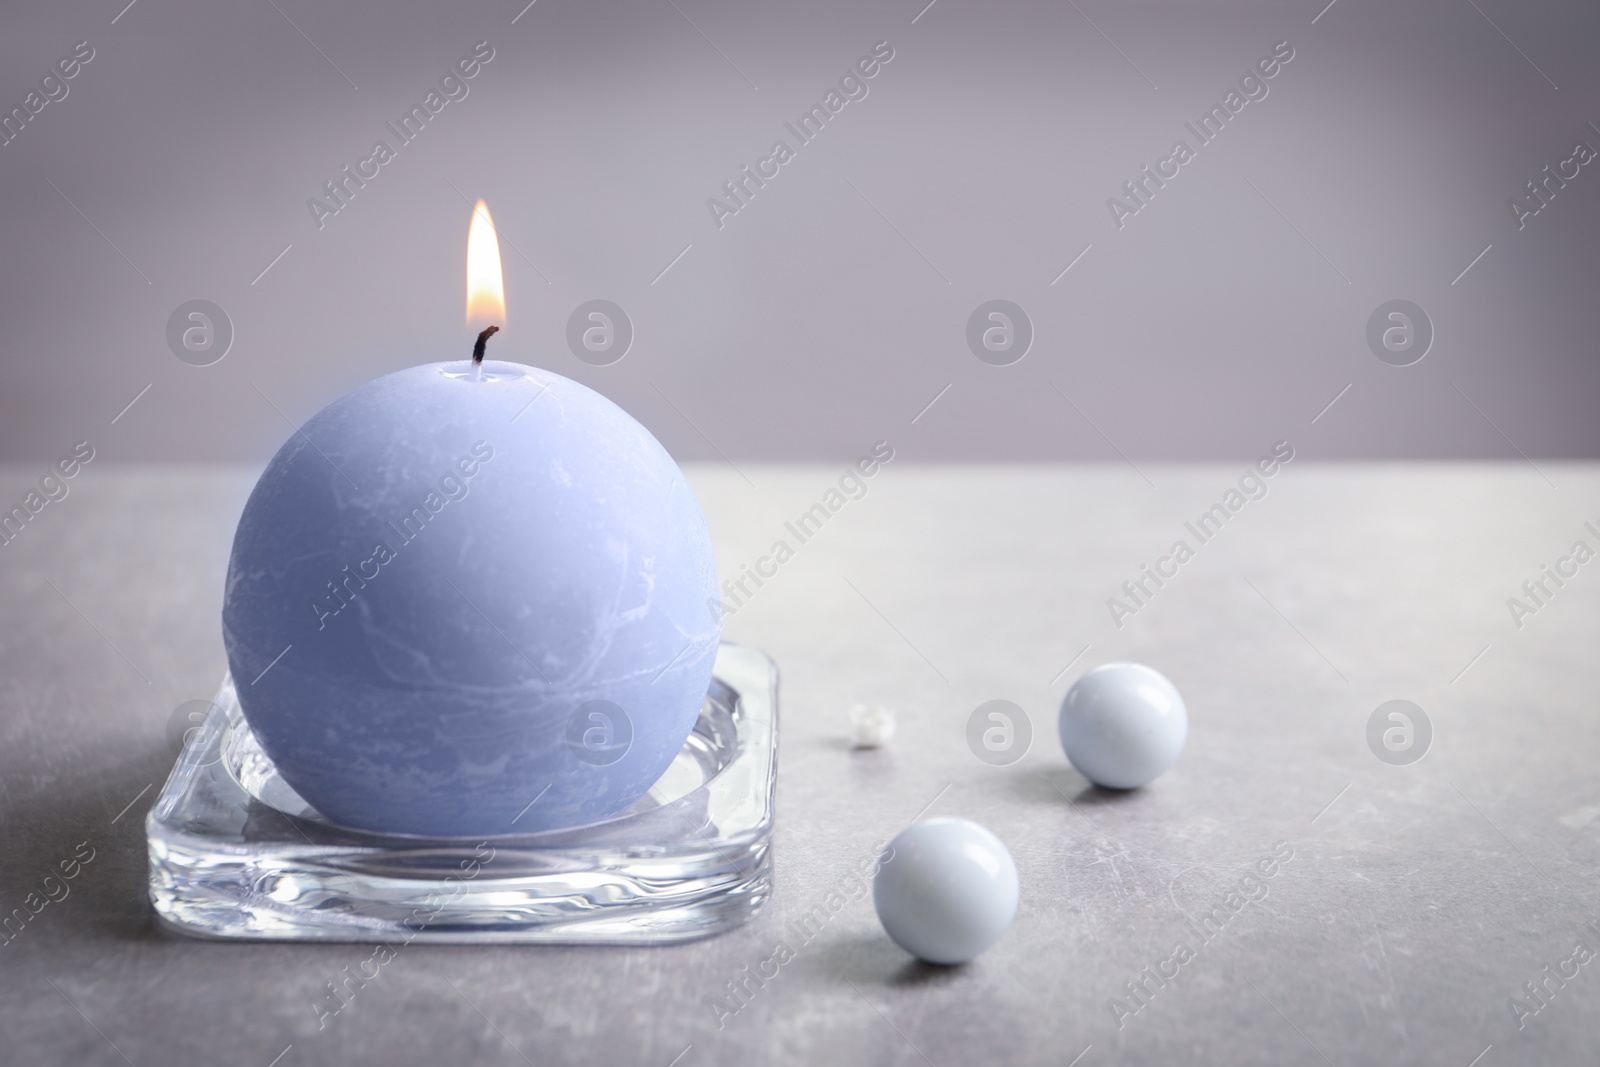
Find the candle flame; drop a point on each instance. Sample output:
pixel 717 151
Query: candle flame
pixel 486 295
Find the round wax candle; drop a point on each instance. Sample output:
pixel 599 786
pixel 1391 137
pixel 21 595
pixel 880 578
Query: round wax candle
pixel 471 601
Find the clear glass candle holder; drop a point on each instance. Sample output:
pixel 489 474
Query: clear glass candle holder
pixel 236 853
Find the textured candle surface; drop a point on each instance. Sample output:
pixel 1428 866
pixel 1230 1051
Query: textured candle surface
pixel 466 603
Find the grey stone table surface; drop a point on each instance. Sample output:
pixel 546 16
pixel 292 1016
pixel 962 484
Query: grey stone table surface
pixel 1407 910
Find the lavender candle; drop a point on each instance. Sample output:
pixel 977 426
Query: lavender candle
pixel 468 599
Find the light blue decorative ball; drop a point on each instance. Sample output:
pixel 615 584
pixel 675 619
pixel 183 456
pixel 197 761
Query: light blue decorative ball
pixel 1123 725
pixel 946 889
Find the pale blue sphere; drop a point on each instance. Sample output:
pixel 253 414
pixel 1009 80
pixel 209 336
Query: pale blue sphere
pixel 1123 725
pixel 471 602
pixel 946 889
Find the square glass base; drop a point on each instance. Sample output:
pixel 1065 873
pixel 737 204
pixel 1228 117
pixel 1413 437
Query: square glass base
pixel 236 853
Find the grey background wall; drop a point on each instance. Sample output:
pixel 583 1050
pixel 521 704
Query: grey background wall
pixel 832 308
